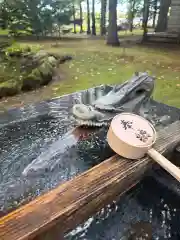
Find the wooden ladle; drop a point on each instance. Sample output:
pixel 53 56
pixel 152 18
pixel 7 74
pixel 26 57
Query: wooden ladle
pixel 132 136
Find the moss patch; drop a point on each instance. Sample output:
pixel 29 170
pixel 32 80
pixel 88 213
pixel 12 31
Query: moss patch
pixel 10 88
pixel 32 81
pixel 28 66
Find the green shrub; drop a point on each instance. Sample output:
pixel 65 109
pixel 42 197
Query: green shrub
pixel 10 88
pixel 16 50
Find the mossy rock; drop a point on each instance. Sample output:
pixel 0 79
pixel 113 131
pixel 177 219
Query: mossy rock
pixel 10 88
pixel 30 71
pixel 61 59
pixel 40 56
pixel 17 50
pixel 52 60
pixel 46 69
pixel 32 81
pixel 65 58
pixel 39 76
pixel 48 60
pixel 4 44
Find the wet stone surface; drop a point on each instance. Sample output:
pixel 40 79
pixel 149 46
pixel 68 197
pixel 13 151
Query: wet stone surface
pixel 39 152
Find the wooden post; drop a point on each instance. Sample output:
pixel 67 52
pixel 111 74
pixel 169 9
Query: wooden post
pixel 62 209
pixel 174 18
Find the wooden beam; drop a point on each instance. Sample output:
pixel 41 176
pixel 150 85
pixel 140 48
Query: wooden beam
pixel 75 201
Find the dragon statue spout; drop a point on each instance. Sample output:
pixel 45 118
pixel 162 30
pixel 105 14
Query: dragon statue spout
pixel 131 96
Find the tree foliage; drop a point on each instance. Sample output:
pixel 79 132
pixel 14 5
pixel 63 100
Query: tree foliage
pixel 35 16
pixel 135 8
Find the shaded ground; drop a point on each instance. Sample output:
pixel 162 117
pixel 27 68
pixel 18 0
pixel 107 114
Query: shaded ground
pixel 95 63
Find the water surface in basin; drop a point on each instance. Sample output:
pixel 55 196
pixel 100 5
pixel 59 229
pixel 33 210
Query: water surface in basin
pixel 148 211
pixel 39 152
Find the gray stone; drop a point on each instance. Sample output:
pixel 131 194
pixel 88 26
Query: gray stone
pixel 52 60
pixel 46 69
pixel 10 88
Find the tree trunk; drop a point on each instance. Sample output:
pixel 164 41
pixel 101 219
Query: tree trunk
pixel 145 18
pixel 4 19
pixel 74 18
pixel 155 12
pixel 112 38
pixel 131 14
pixel 88 19
pixel 59 31
pixel 93 18
pixel 103 17
pixel 163 16
pixel 81 17
pixel 131 24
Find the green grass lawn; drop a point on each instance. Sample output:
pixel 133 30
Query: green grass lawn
pixel 95 63
pixel 4 31
pixel 127 33
pixel 120 33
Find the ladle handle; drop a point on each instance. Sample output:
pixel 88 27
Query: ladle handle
pixel 165 163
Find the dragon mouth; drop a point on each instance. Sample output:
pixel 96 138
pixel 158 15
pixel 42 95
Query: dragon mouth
pixel 129 96
pixel 91 123
pixel 87 116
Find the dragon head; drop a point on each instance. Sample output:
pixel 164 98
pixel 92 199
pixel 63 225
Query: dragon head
pixel 129 96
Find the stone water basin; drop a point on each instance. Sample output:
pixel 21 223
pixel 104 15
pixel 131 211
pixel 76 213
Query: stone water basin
pixel 38 152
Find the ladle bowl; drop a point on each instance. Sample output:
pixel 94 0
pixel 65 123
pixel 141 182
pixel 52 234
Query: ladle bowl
pixel 131 136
